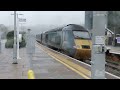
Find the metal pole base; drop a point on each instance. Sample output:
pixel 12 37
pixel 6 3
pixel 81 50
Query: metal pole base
pixel 14 63
pixel 18 58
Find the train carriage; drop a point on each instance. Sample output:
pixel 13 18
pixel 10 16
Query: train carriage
pixel 73 39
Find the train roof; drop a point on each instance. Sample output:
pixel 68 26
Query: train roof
pixel 68 27
pixel 75 27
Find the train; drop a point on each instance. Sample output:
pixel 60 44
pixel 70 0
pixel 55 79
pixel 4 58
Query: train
pixel 72 39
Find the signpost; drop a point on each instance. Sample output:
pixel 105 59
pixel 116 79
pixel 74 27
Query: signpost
pixel 22 20
pixel 15 41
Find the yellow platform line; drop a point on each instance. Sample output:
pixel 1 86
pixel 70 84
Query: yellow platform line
pixel 78 69
pixel 73 65
pixel 81 74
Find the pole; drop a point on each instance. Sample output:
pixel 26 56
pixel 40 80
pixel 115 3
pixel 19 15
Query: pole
pixel 14 46
pixel 18 57
pixel 18 38
pixel 0 43
pixel 114 37
pixel 98 45
pixel 88 20
pixel 31 51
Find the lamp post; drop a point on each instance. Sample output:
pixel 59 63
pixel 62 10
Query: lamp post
pixel 14 46
pixel 16 38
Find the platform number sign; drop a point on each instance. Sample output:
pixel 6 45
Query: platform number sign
pixel 22 20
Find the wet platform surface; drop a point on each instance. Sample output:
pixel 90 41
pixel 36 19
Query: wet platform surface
pixel 45 67
pixel 13 71
pixel 115 49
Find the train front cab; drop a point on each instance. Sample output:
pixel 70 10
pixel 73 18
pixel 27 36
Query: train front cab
pixel 82 44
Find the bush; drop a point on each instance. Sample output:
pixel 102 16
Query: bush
pixel 23 43
pixel 10 35
pixel 9 43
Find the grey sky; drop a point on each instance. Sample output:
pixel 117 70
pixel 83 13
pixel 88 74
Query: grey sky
pixel 44 17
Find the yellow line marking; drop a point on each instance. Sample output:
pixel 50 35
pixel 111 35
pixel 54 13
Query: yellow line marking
pixel 81 74
pixel 78 69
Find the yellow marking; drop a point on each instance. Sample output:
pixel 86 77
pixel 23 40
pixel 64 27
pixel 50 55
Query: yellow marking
pixel 80 42
pixel 31 74
pixel 81 74
pixel 78 69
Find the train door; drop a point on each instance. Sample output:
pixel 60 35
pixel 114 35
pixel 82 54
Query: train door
pixel 41 38
pixel 64 39
pixel 46 38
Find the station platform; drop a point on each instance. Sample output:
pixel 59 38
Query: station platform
pixel 44 66
pixel 13 71
pixel 113 49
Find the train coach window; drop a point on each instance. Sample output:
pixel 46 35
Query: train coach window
pixel 81 34
pixel 52 36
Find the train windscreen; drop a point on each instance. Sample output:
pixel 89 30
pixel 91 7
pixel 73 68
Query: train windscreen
pixel 81 35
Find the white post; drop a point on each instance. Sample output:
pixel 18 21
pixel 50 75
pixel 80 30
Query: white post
pixel 18 57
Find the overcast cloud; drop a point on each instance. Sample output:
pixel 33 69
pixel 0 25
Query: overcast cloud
pixel 44 17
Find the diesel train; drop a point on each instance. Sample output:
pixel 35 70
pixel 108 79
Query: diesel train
pixel 74 40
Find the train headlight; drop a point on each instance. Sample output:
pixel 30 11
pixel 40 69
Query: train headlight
pixel 77 47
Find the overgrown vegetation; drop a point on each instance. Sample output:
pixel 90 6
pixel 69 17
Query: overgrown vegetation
pixel 3 30
pixel 10 40
pixel 114 21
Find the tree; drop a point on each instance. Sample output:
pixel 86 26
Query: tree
pixel 10 40
pixel 3 31
pixel 114 21
pixel 10 35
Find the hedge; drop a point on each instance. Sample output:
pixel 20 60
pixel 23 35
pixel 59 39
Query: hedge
pixel 10 41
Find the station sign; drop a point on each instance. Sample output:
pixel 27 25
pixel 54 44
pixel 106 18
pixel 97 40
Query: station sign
pixel 100 40
pixel 118 39
pixel 22 20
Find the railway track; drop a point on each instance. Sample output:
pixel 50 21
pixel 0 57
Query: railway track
pixel 109 65
pixel 113 64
